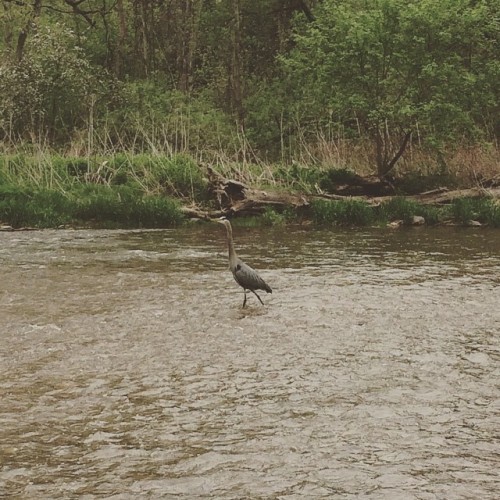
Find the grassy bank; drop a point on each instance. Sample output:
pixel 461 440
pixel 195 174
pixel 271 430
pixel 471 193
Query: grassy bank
pixel 98 206
pixel 127 190
pixel 462 211
pixel 117 191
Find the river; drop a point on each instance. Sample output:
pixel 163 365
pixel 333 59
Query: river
pixel 128 368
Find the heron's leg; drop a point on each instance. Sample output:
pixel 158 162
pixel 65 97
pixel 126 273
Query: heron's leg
pixel 255 293
pixel 245 299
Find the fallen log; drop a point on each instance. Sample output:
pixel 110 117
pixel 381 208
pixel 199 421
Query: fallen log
pixel 236 198
pixel 444 196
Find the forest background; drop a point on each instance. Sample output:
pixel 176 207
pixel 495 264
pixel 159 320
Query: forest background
pixel 141 92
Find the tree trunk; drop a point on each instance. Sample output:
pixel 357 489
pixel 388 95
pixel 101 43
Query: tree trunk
pixel 23 35
pixel 236 66
pixel 122 37
pixel 386 156
pixel 191 10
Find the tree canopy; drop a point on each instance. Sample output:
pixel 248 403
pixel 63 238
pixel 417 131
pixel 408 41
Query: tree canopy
pixel 204 73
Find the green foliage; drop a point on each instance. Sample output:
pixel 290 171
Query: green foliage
pixel 96 204
pixel 154 77
pixel 342 213
pixel 484 210
pixel 49 92
pixel 22 207
pixel 271 217
pixel 385 66
pixel 399 208
pixel 177 175
pixel 492 215
pixel 149 116
pixel 334 177
pixel 124 206
pixel 180 175
pixel 300 176
pixel 358 213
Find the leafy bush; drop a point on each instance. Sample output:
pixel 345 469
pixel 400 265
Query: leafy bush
pixel 304 177
pixel 272 218
pixel 380 68
pixel 334 177
pixel 50 91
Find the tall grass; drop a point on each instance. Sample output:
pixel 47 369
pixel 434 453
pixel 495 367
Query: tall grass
pixel 357 213
pixel 43 189
pixel 176 175
pixel 399 208
pixel 96 205
pixel 483 210
pixel 342 213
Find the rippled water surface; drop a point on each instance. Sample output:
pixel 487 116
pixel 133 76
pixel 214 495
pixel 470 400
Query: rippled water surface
pixel 128 368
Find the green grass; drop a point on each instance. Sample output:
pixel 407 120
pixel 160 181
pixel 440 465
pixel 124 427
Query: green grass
pixel 95 205
pixel 38 189
pixel 22 207
pixel 342 213
pixel 484 210
pixel 358 213
pixel 176 175
pixel 399 208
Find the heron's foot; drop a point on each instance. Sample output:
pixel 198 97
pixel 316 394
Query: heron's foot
pixel 255 293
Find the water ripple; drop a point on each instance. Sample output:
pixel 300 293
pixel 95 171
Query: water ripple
pixel 129 369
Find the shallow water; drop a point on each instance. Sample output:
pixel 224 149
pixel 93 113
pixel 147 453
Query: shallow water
pixel 128 368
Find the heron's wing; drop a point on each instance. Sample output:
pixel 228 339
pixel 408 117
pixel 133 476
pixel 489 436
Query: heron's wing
pixel 248 278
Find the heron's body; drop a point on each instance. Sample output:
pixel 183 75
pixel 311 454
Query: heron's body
pixel 244 275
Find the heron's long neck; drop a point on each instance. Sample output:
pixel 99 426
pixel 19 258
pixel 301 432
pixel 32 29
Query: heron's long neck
pixel 230 246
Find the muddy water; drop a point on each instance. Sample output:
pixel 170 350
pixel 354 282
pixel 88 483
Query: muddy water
pixel 128 368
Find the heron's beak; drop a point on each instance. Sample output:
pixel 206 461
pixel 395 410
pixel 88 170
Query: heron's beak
pixel 219 220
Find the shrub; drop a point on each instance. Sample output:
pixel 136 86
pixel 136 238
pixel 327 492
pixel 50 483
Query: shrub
pixel 298 175
pixel 272 218
pixel 335 177
pixel 50 90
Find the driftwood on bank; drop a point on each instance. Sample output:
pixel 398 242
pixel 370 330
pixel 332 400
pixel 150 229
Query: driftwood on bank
pixel 236 198
pixel 233 197
pixel 442 196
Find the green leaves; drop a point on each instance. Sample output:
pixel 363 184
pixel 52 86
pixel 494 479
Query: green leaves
pixel 391 65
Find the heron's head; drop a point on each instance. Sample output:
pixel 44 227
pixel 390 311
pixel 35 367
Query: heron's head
pixel 225 221
pixel 222 220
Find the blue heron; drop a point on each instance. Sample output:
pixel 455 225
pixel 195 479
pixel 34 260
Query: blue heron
pixel 244 275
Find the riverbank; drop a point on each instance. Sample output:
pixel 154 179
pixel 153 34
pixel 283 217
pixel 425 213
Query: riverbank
pixel 146 191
